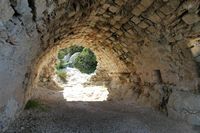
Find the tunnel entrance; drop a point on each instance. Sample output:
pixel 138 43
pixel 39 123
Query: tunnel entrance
pixel 74 70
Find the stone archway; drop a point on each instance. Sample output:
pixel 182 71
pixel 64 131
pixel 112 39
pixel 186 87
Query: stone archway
pixel 142 45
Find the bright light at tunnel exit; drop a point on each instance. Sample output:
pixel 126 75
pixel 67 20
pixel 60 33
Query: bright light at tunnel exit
pixel 75 90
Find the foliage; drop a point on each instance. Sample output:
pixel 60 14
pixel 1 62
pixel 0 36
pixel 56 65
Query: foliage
pixel 71 50
pixel 61 54
pixel 74 49
pixel 62 75
pixel 86 61
pixel 61 64
pixel 32 104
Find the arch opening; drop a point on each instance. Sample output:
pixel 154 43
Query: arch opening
pixel 74 69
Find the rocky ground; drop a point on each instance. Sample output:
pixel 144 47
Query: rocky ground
pixel 83 110
pixel 95 117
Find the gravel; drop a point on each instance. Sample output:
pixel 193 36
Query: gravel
pixel 60 116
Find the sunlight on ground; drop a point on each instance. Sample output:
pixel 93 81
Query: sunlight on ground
pixel 74 89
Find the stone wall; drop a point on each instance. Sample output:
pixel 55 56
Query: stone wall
pixel 141 44
pixel 19 45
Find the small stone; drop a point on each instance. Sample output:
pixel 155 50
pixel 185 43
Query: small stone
pixel 141 7
pixel 117 18
pixel 166 10
pixel 155 18
pixel 136 20
pixel 146 3
pixel 143 25
pixel 152 29
pixel 113 9
pixel 106 6
pixel 191 18
pixel 119 2
pixel 136 11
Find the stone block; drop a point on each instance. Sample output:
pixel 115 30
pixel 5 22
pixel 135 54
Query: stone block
pixel 136 11
pixel 136 20
pixel 106 6
pixel 152 29
pixel 143 25
pixel 166 10
pixel 113 9
pixel 40 7
pixel 191 18
pixel 155 18
pixel 21 6
pixel 6 11
pixel 117 17
pixel 119 2
pixel 146 3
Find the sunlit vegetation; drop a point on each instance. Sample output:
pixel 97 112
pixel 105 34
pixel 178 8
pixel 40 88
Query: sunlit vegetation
pixel 76 57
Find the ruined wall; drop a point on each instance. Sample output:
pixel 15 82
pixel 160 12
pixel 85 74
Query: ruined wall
pixel 141 44
pixel 19 45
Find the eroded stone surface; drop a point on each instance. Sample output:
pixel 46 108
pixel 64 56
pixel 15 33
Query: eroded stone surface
pixel 186 105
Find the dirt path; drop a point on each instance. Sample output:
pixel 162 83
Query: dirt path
pixel 95 117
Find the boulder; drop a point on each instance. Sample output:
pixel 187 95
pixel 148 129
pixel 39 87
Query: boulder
pixel 73 57
pixel 66 57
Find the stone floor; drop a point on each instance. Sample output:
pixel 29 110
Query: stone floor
pixel 95 117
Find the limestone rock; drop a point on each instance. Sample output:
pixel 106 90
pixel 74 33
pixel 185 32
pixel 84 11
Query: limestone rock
pixel 21 6
pixel 191 18
pixel 67 57
pixel 191 5
pixel 40 7
pixel 155 18
pixel 73 57
pixel 136 20
pixel 185 105
pixel 6 11
pixel 143 25
pixel 147 3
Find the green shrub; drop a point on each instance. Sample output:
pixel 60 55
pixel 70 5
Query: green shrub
pixel 86 61
pixel 32 104
pixel 62 75
pixel 61 54
pixel 74 49
pixel 71 50
pixel 61 64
